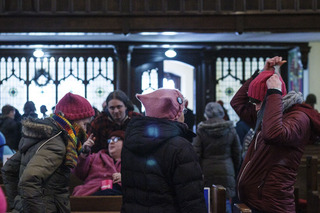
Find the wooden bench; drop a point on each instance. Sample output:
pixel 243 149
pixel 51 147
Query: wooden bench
pixel 241 208
pixel 96 203
pixel 312 184
pixel 218 199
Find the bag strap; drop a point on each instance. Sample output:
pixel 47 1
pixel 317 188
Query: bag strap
pixel 48 140
pixel 260 115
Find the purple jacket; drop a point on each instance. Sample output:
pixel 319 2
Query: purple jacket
pixel 94 169
pixel 268 173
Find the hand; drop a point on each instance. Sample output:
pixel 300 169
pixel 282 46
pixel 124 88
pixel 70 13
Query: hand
pixel 274 82
pixel 116 177
pixel 277 60
pixel 86 147
pixel 90 141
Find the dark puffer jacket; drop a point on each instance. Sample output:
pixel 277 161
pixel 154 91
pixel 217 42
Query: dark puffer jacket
pixel 218 147
pixel 160 170
pixel 268 173
pixel 36 178
pixel 11 130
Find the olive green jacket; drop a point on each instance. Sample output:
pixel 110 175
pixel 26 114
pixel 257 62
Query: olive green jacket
pixel 35 178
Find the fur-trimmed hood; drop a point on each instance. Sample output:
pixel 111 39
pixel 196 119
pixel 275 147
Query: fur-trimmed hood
pixel 35 130
pixel 215 127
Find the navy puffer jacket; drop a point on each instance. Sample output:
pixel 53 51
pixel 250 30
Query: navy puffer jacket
pixel 160 170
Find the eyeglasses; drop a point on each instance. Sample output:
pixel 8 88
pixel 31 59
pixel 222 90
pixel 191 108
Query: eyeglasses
pixel 185 110
pixel 115 139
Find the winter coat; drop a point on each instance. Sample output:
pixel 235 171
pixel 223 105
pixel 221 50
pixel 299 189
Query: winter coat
pixel 11 130
pixel 268 173
pixel 218 147
pixel 93 170
pixel 160 170
pixel 103 125
pixel 36 178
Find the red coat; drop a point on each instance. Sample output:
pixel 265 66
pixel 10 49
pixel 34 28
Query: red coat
pixel 268 173
pixel 94 169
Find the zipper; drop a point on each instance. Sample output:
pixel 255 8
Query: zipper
pixel 260 189
pixel 256 141
pixel 241 177
pixel 255 148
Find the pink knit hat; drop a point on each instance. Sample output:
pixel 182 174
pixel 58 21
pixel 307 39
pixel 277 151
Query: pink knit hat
pixel 258 86
pixel 74 107
pixel 163 103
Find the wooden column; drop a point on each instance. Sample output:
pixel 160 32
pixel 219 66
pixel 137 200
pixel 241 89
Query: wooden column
pixel 122 71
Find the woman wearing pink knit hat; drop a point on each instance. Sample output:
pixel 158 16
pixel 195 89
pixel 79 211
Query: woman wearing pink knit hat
pixel 37 176
pixel 160 170
pixel 283 126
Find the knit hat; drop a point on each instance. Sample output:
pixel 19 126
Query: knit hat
pixel 258 86
pixel 118 133
pixel 163 103
pixel 74 107
pixel 214 110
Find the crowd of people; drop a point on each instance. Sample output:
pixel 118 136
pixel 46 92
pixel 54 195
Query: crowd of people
pixel 155 160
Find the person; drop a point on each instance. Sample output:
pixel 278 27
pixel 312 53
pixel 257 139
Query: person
pixel 160 170
pixel 43 110
pixel 311 100
pixel 36 178
pixel 96 112
pixel 226 115
pixel 218 147
pixel 10 128
pixel 242 128
pixel 29 110
pixel 96 168
pixel 283 126
pixel 118 112
pixel 17 115
pixel 189 117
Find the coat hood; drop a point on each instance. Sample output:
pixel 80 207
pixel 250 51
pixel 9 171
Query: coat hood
pixel 144 134
pixel 35 130
pixel 215 127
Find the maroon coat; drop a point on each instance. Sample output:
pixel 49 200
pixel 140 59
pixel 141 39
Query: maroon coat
pixel 102 126
pixel 268 173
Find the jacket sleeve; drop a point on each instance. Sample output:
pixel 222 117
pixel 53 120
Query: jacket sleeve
pixel 83 166
pixel 197 145
pixel 10 175
pixel 289 129
pixel 188 181
pixel 240 104
pixel 42 165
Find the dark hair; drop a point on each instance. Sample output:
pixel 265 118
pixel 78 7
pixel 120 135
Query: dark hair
pixel 121 96
pixel 6 109
pixel 29 107
pixel 311 99
pixel 43 109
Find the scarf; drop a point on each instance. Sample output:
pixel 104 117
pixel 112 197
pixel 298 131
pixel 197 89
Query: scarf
pixel 74 145
pixel 291 99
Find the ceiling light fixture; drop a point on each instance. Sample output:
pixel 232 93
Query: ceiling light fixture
pixel 170 53
pixel 38 53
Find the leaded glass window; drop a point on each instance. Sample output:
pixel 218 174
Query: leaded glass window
pixel 229 74
pixel 46 80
